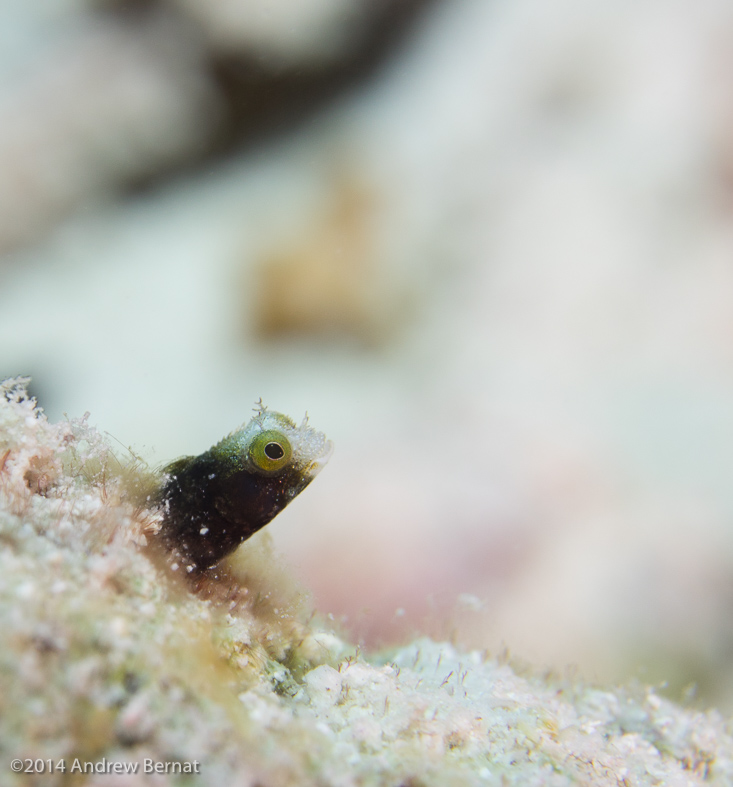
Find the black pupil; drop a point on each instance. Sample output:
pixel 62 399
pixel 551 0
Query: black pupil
pixel 274 451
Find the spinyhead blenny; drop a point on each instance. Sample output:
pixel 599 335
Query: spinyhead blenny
pixel 213 502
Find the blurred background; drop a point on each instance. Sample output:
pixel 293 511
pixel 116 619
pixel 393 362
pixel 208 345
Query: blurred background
pixel 487 246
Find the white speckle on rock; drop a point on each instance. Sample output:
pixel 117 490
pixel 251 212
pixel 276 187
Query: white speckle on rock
pixel 26 590
pixel 368 732
pixel 323 685
pixel 135 722
pixel 118 627
pixel 357 676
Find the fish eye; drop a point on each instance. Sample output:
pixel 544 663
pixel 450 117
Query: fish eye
pixel 270 451
pixel 274 451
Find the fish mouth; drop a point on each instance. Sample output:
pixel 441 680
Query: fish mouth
pixel 315 466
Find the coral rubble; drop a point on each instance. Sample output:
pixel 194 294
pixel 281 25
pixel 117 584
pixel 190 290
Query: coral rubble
pixel 104 660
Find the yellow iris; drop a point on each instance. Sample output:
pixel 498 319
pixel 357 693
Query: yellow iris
pixel 270 451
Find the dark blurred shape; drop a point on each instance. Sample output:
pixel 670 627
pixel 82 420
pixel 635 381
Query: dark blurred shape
pixel 127 93
pixel 267 98
pixel 265 95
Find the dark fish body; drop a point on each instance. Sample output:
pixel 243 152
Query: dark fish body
pixel 213 502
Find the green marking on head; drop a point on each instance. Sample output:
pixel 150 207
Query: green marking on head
pixel 270 444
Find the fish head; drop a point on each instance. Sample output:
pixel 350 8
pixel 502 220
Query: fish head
pixel 265 464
